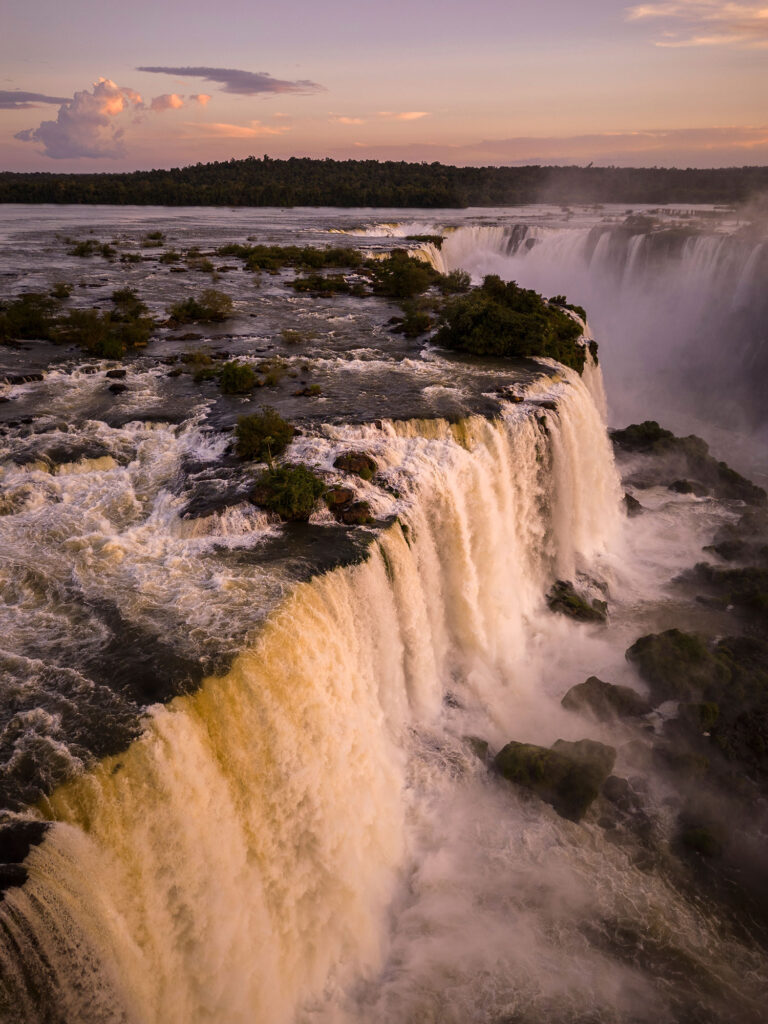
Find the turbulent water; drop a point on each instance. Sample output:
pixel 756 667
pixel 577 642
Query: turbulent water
pixel 308 834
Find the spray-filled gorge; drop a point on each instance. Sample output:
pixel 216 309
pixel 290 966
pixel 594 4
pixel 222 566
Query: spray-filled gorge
pixel 310 825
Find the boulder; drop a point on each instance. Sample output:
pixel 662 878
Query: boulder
pixel 632 505
pixel 564 598
pixel 568 776
pixel 356 514
pixel 16 840
pixel 605 701
pixel 678 666
pixel 360 463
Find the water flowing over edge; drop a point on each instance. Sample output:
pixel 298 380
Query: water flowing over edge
pixel 239 859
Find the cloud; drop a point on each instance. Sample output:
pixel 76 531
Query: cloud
pixel 18 100
pixel 706 22
pixel 202 98
pixel 343 119
pixel 84 125
pixel 254 130
pixel 244 83
pixel 405 115
pixel 168 101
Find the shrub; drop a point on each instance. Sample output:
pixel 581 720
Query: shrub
pixel 499 319
pixel 128 306
pixel 211 307
pixel 61 290
pixel 262 436
pixel 290 491
pixel 455 283
pixel 401 276
pixel 237 378
pixel 27 317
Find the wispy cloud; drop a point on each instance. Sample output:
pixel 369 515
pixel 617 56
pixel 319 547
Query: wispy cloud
pixel 244 83
pixel 253 130
pixel 201 98
pixel 18 100
pixel 706 22
pixel 168 101
pixel 344 119
pixel 403 115
pixel 85 124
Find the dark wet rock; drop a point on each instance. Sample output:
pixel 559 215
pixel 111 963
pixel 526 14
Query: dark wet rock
pixel 18 837
pixel 678 666
pixel 564 598
pixel 632 505
pixel 175 372
pixel 605 700
pixel 479 747
pixel 745 588
pixel 337 498
pixel 12 876
pixel 117 389
pixel 116 374
pixel 88 369
pixel 356 514
pixel 689 487
pixel 360 463
pixel 61 453
pixel 698 840
pixel 568 776
pixel 619 792
pixel 21 378
pixel 683 461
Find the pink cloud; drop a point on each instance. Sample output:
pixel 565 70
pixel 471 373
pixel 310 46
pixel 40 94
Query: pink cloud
pixel 222 130
pixel 405 115
pixel 168 101
pixel 202 98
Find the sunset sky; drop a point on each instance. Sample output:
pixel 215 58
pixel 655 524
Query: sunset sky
pixel 95 86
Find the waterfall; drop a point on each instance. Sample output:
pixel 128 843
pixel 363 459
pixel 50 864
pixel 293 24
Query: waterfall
pixel 682 311
pixel 238 862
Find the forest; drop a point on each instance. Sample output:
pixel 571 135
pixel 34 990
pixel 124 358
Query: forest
pixel 300 181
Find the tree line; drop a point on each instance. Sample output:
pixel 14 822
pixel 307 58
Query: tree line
pixel 300 181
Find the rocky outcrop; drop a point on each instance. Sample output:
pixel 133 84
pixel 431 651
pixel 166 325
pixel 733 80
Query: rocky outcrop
pixel 360 463
pixel 605 701
pixel 564 598
pixel 678 666
pixel 568 775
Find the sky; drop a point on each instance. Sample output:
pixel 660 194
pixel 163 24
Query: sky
pixel 88 85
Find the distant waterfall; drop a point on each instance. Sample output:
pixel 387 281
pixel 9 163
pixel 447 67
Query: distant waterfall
pixel 236 863
pixel 683 314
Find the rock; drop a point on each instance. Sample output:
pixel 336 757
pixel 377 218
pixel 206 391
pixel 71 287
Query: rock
pixel 605 701
pixel 564 598
pixel 479 748
pixel 689 487
pixel 338 497
pixel 116 374
pixel 632 505
pixel 21 378
pixel 678 666
pixel 16 840
pixel 568 776
pixel 360 463
pixel 698 839
pixel 356 514
pixel 117 389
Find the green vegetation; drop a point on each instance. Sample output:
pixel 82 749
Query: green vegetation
pixel 211 307
pixel 107 334
pixel 501 319
pixel 27 317
pixel 401 276
pixel 237 378
pixel 360 463
pixel 90 247
pixel 61 290
pixel 455 283
pixel 292 492
pixel 564 598
pixel 325 286
pixel 292 337
pixel 436 240
pixel 262 436
pixel 562 302
pixel 273 257
pixel 308 182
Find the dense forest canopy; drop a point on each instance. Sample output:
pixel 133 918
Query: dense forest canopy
pixel 306 182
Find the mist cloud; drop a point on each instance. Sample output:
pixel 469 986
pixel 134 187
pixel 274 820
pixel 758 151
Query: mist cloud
pixel 84 126
pixel 243 83
pixel 706 22
pixel 221 130
pixel 18 100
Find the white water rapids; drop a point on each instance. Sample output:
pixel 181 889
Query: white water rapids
pixel 310 838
